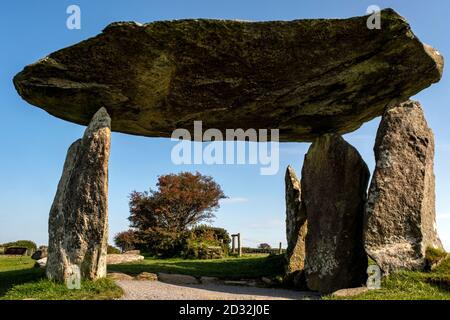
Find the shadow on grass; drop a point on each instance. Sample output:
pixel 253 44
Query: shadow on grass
pixel 9 279
pixel 230 268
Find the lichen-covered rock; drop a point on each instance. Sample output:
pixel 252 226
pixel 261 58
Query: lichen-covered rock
pixel 296 226
pixel 334 183
pixel 41 253
pixel 78 223
pixel 304 77
pixel 400 213
pixel 41 263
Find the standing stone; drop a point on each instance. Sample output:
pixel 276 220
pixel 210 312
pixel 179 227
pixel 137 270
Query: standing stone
pixel 78 223
pixel 400 212
pixel 334 183
pixel 295 225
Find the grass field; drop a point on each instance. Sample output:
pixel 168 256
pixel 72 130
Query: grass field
pixel 248 266
pixel 407 285
pixel 20 280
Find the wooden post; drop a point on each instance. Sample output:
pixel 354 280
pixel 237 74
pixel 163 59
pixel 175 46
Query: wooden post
pixel 280 249
pixel 239 245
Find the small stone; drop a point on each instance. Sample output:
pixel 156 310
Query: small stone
pixel 209 280
pixel 334 183
pixel 349 292
pixel 180 279
pixel 136 252
pixel 268 281
pixel 400 217
pixel 41 253
pixel 123 258
pixel 41 263
pixel 147 276
pixel 246 283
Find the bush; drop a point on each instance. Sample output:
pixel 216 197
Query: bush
pixel 206 242
pixel 30 245
pixel 113 250
pixel 162 243
pixel 434 256
pixel 212 234
pixel 202 242
pixel 202 250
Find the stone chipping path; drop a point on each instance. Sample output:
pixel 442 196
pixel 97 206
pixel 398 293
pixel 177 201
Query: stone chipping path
pixel 156 290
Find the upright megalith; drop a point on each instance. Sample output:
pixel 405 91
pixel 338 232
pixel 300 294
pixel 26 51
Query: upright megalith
pixel 334 184
pixel 296 226
pixel 400 212
pixel 78 223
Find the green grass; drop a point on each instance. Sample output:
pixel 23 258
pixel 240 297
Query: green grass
pixel 408 285
pixel 20 280
pixel 248 266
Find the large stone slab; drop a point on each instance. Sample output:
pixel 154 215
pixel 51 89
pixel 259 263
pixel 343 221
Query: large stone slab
pixel 304 77
pixel 334 184
pixel 78 223
pixel 296 226
pixel 400 212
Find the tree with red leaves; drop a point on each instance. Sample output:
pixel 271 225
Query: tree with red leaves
pixel 181 201
pixel 126 240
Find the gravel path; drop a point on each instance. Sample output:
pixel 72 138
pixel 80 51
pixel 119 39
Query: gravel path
pixel 156 290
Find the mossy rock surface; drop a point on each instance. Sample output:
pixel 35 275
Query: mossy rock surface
pixel 304 77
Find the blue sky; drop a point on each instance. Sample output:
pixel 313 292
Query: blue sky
pixel 34 144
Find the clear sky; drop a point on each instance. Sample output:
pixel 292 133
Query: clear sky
pixel 33 144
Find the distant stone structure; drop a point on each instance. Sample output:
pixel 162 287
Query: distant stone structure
pixel 16 251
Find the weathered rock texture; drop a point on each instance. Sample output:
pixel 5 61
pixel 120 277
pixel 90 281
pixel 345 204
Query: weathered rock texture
pixel 304 77
pixel 123 258
pixel 40 254
pixel 78 223
pixel 400 212
pixel 296 226
pixel 334 183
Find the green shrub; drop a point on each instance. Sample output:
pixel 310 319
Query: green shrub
pixel 208 233
pixel 113 250
pixel 162 243
pixel 196 249
pixel 433 256
pixel 2 250
pixel 30 245
pixel 202 242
